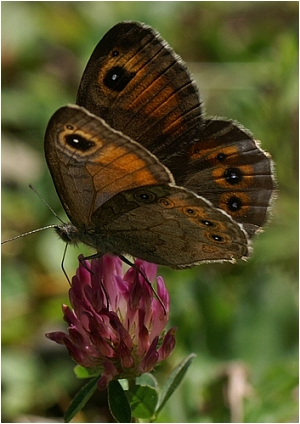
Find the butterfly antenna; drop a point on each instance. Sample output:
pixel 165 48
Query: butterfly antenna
pixel 128 262
pixel 29 232
pixel 45 203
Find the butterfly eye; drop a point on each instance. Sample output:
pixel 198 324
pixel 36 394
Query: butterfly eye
pixel 234 204
pixel 117 78
pixel 78 142
pixel 115 53
pixel 233 175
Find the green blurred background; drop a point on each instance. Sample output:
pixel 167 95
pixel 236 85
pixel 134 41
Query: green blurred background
pixel 241 320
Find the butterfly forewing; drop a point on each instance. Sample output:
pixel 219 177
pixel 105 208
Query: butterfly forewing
pixel 136 82
pixel 90 162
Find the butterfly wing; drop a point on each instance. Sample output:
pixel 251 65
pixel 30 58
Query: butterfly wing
pixel 227 167
pixel 170 226
pixel 90 162
pixel 139 86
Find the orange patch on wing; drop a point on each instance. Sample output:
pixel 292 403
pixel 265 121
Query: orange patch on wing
pixel 200 149
pixel 174 123
pixel 139 178
pixel 130 163
pixel 116 170
pixel 159 101
pixel 154 93
pixel 229 152
pixel 209 150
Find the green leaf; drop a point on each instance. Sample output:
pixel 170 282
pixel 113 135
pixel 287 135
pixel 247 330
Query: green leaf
pixel 174 380
pixel 124 383
pixel 147 379
pixel 81 399
pixel 82 372
pixel 143 401
pixel 118 403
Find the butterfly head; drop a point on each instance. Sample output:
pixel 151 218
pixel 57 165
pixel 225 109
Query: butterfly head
pixel 68 233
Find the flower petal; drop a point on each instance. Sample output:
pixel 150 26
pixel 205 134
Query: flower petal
pixel 168 344
pixel 151 358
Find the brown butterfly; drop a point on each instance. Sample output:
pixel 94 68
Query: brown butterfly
pixel 140 172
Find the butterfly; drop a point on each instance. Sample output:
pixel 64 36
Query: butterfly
pixel 140 171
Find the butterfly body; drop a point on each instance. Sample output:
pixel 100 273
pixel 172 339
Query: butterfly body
pixel 139 171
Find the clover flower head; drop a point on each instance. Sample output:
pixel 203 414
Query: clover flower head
pixel 116 323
